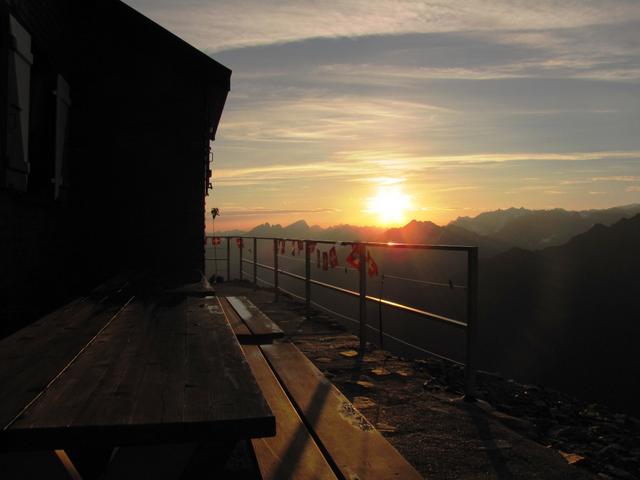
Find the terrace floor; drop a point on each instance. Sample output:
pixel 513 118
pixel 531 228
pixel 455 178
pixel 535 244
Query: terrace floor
pixel 415 403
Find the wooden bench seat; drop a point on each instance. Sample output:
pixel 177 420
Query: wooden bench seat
pixel 32 357
pixel 262 328
pixel 292 453
pixel 355 447
pixel 241 330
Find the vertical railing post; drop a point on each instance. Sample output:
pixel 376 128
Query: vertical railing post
pixel 240 248
pixel 275 269
pixel 362 308
pixel 255 262
pixel 228 259
pixel 472 324
pixel 307 277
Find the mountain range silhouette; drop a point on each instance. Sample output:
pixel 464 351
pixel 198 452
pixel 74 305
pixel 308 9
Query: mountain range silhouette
pixel 559 292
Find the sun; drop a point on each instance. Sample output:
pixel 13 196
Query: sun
pixel 389 205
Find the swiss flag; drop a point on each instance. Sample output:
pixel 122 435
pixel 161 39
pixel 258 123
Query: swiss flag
pixel 312 247
pixel 239 242
pixel 282 245
pixel 333 257
pixel 373 267
pixel 300 245
pixel 353 259
pixel 215 241
pixel 325 261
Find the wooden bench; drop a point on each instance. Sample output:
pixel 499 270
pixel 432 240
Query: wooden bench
pixel 292 453
pixel 319 433
pixel 351 444
pixel 31 358
pixel 244 316
pixel 132 367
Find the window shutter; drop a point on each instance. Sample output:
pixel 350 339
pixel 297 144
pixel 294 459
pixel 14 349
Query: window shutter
pixel 18 85
pixel 63 105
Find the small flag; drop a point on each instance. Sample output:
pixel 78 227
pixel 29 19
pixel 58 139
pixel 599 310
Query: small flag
pixel 312 247
pixel 318 258
pixel 325 261
pixel 282 245
pixel 293 248
pixel 333 257
pixel 239 242
pixel 300 245
pixel 373 267
pixel 215 241
pixel 353 258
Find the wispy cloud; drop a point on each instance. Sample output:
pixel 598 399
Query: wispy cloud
pixel 356 166
pixel 261 212
pixel 454 101
pixel 215 26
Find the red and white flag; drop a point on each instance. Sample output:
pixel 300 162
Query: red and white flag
pixel 318 258
pixel 282 244
pixel 325 261
pixel 215 240
pixel 373 267
pixel 300 244
pixel 312 247
pixel 239 242
pixel 333 257
pixel 353 259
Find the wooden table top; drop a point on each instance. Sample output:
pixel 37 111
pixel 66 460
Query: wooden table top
pixel 161 368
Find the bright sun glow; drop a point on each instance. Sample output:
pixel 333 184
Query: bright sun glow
pixel 389 205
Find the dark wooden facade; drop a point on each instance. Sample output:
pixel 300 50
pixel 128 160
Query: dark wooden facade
pixel 104 155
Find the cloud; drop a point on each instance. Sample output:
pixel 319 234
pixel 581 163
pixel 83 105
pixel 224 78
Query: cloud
pixel 393 167
pixel 216 26
pixel 633 188
pixel 617 178
pixel 259 212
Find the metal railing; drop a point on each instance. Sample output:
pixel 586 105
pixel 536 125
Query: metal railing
pixel 471 287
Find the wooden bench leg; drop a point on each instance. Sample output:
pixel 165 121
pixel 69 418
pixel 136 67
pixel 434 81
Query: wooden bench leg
pixel 91 463
pixel 33 466
pixel 182 462
pixel 161 462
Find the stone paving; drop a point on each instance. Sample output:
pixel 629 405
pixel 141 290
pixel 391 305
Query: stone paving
pixel 514 431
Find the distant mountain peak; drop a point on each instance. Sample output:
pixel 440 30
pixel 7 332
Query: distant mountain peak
pixel 298 224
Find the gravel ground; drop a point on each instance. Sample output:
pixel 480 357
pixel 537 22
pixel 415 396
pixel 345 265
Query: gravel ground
pixel 514 431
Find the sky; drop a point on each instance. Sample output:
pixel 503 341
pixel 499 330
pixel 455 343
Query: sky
pixel 375 112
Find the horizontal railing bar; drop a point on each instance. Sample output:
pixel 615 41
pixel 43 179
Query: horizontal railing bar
pixel 424 282
pixel 216 259
pixel 292 275
pixel 333 287
pixel 345 317
pixel 388 303
pixel 262 265
pixel 417 311
pixel 416 246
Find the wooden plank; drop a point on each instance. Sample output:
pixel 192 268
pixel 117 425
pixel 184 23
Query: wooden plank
pixel 258 322
pixel 241 330
pixel 292 453
pixel 34 355
pixel 357 449
pixel 165 370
